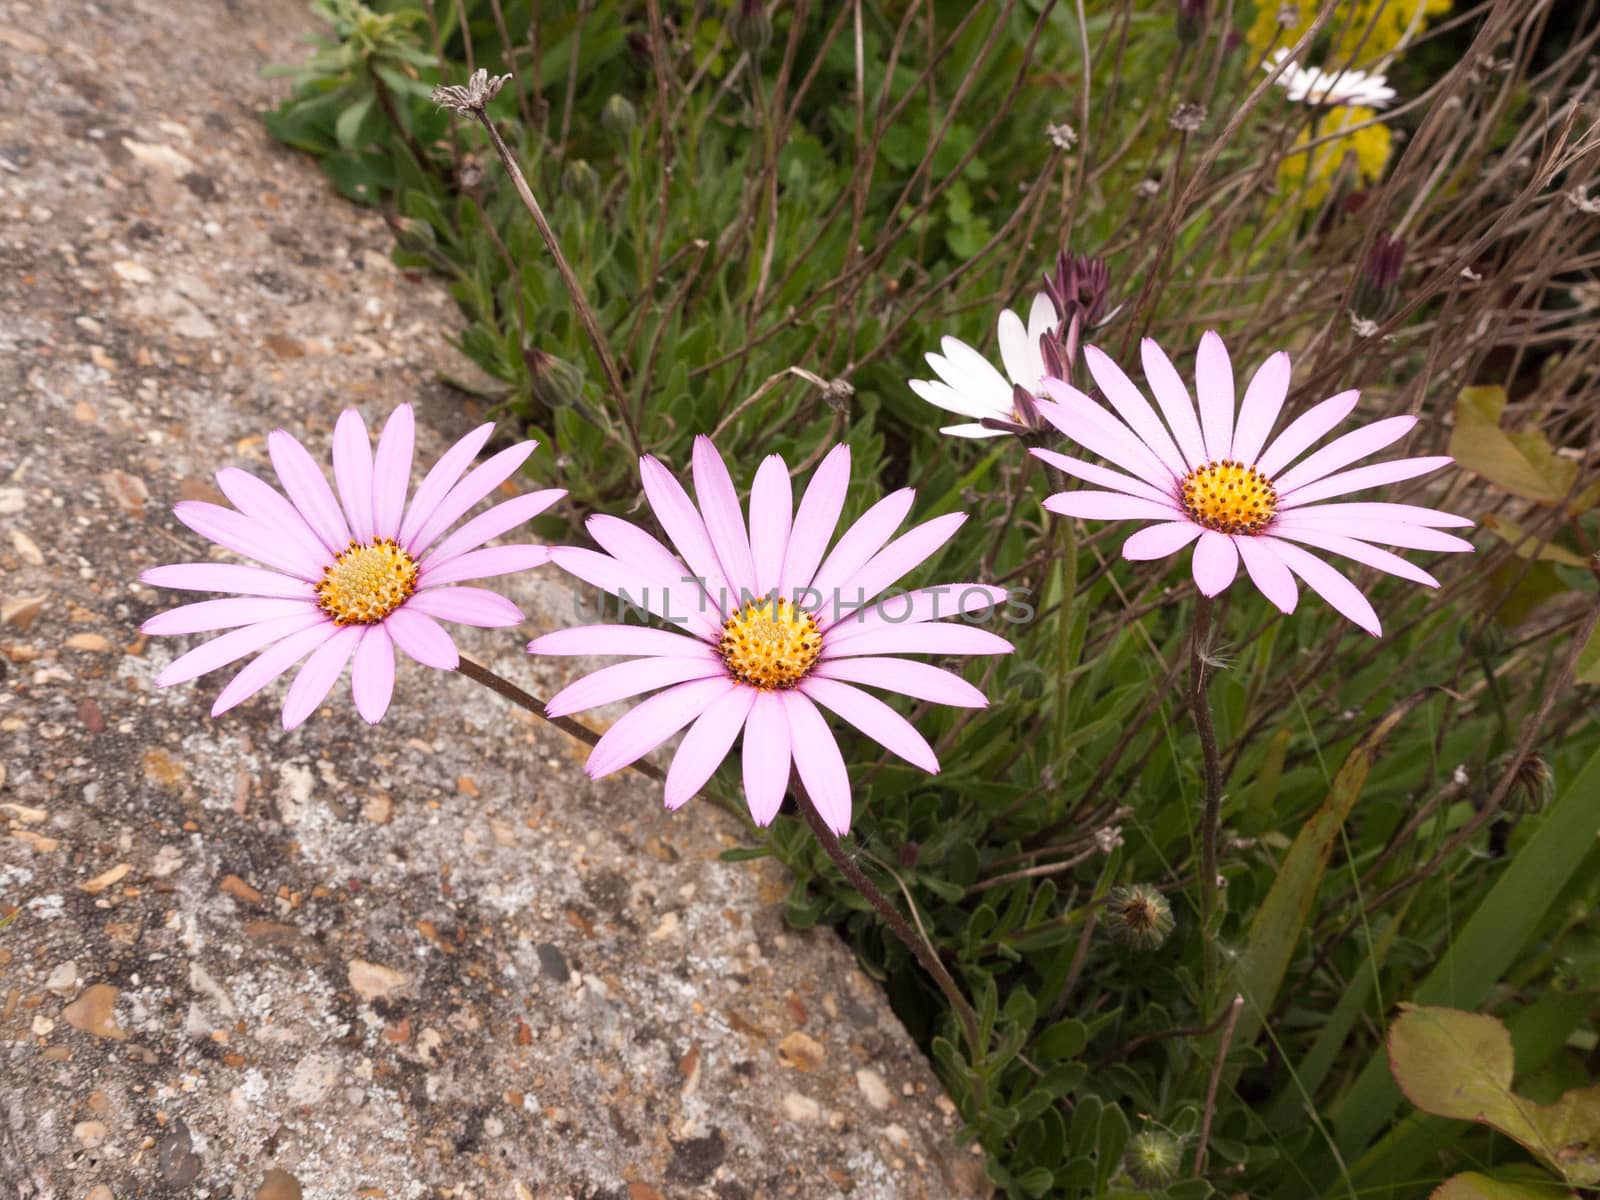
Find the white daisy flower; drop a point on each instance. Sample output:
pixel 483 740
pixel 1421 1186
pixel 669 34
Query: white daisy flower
pixel 1309 85
pixel 970 385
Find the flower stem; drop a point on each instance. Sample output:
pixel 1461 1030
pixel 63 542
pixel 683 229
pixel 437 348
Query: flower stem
pixel 1212 816
pixel 919 947
pixel 510 691
pixel 591 324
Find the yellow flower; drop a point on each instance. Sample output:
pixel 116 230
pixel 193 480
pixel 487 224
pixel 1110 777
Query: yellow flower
pixel 1364 29
pixel 1305 177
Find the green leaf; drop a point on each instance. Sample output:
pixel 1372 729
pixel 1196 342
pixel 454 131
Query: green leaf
pixel 1471 1185
pixel 1523 464
pixel 348 127
pixel 1460 1065
pixel 1281 919
pixel 1588 668
pixel 1499 930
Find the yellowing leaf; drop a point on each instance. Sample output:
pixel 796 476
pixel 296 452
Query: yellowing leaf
pixel 1523 464
pixel 1529 547
pixel 1459 1065
pixel 1470 1185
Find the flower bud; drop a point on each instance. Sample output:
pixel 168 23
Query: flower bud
pixel 1191 21
pixel 554 382
pixel 578 180
pixel 750 27
pixel 1380 276
pixel 1139 916
pixel 1154 1158
pixel 619 116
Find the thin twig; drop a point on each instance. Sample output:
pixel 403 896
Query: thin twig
pixel 1211 1084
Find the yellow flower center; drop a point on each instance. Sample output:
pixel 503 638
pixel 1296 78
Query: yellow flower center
pixel 367 582
pixel 1229 497
pixel 770 644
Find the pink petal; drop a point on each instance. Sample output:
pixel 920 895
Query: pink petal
pixel 860 542
pixel 907 676
pixel 894 561
pixel 479 482
pixel 483 564
pixel 318 674
pixel 1267 572
pixel 1131 405
pixel 1174 400
pixel 227 577
pixel 874 718
pixel 1076 416
pixel 1392 533
pixel 634 640
pixel 423 638
pixel 436 484
pixel 1213 385
pixel 771 514
pixel 1360 478
pixel 1263 401
pixel 391 471
pixel 308 489
pixel 706 744
pixel 352 471
pixel 1158 541
pixel 930 637
pixel 270 663
pixel 491 523
pixel 207 615
pixel 230 647
pixel 1089 505
pixel 767 748
pixel 1341 452
pixel 815 521
pixel 1378 511
pixel 911 608
pixel 1349 547
pixel 1305 429
pixel 651 563
pixel 1102 476
pixel 719 507
pixel 263 504
pixel 237 532
pixel 1333 587
pixel 466 606
pixel 1216 561
pixel 372 675
pixel 624 679
pixel 671 602
pixel 651 722
pixel 681 521
pixel 817 758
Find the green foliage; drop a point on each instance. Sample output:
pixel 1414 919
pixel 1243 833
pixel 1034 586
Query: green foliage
pixel 748 227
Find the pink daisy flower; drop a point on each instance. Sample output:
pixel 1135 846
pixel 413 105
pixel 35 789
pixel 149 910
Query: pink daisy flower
pixel 1213 478
pixel 346 578
pixel 773 629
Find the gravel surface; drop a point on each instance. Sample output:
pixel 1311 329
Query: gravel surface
pixel 424 960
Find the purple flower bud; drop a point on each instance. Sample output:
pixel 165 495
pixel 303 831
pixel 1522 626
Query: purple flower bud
pixel 1380 278
pixel 1191 21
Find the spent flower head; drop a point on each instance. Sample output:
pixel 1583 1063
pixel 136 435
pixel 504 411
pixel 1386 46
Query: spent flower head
pixel 773 629
pixel 346 579
pixel 1153 1158
pixel 1139 916
pixel 473 96
pixel 1211 476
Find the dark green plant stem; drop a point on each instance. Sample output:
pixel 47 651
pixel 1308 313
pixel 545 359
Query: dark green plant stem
pixel 1211 818
pixel 510 691
pixel 591 324
pixel 913 942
